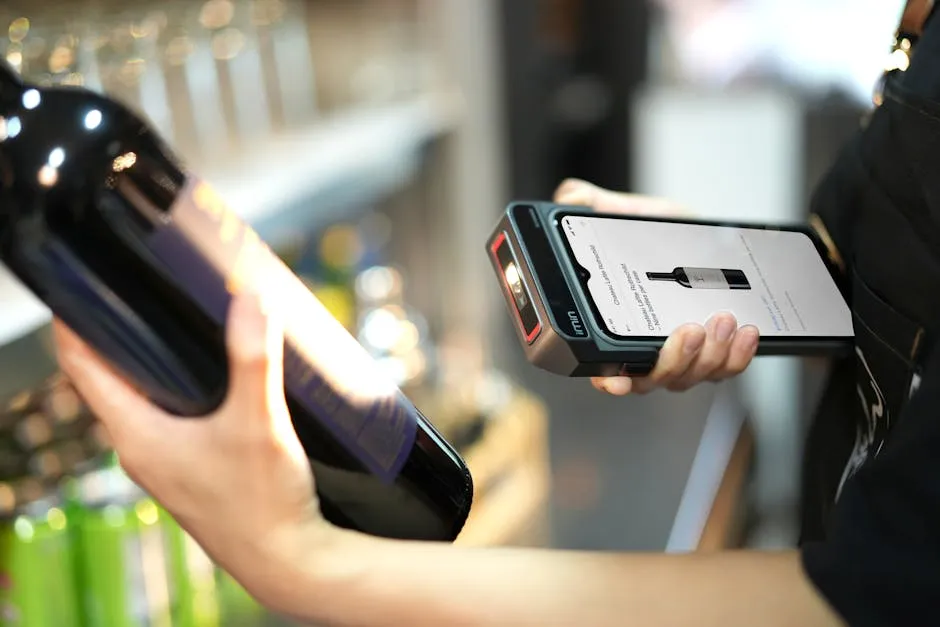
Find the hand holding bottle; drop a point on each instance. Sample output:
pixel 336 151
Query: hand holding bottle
pixel 251 515
pixel 693 353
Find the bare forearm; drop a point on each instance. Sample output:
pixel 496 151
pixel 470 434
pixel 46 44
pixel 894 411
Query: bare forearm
pixel 374 583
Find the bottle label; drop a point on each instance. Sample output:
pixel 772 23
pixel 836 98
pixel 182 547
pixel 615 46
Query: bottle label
pixel 212 255
pixel 707 279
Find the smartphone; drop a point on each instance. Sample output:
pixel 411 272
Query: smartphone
pixel 597 294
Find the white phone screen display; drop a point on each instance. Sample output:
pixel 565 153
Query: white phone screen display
pixel 648 278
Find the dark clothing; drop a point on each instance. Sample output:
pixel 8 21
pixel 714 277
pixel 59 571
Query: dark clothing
pixel 871 510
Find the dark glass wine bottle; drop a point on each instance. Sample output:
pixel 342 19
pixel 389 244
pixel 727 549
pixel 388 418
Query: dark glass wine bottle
pixel 704 278
pixel 140 258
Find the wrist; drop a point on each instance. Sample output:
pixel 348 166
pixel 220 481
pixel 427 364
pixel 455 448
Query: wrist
pixel 298 570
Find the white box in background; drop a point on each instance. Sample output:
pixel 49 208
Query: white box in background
pixel 734 155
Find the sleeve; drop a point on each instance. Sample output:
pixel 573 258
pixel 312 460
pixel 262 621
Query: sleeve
pixel 880 563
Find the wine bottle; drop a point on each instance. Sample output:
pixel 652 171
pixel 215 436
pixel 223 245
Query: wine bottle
pixel 704 278
pixel 141 258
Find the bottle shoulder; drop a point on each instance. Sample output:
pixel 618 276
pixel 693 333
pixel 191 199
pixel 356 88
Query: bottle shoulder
pixel 61 127
pixel 61 147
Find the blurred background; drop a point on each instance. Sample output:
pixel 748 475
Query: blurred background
pixel 373 144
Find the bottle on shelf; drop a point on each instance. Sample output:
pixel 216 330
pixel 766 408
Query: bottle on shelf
pixel 237 608
pixel 13 463
pixel 226 24
pixel 34 431
pixel 704 278
pixel 37 560
pixel 289 75
pixel 20 402
pixel 393 333
pixel 46 434
pixel 140 257
pixel 193 578
pixel 61 402
pixel 136 566
pixel 25 490
pixel 327 263
pixel 18 51
pixel 174 58
pixel 123 565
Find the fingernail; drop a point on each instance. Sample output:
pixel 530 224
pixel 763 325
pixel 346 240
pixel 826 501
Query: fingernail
pixel 618 386
pixel 751 338
pixel 724 329
pixel 694 342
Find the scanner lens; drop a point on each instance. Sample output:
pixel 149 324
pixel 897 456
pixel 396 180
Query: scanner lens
pixel 516 291
pixel 515 285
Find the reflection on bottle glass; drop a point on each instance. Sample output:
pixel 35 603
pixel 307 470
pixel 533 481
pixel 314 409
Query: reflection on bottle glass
pixel 704 278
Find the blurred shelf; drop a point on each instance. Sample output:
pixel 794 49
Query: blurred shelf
pixel 511 476
pixel 312 176
pixel 291 183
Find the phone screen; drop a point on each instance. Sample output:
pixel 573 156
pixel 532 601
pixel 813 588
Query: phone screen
pixel 646 278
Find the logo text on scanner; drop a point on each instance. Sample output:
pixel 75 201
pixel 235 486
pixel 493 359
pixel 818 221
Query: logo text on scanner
pixel 576 323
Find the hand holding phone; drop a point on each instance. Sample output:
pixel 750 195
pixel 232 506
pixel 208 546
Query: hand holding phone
pixel 600 294
pixel 694 353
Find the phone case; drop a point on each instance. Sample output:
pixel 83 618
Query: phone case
pixel 568 339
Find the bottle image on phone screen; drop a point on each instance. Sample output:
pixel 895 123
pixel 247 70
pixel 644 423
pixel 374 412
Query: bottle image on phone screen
pixel 704 278
pixel 141 258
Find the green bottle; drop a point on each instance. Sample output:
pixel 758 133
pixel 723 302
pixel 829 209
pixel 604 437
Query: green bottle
pixel 239 609
pixel 193 578
pixel 123 563
pixel 37 586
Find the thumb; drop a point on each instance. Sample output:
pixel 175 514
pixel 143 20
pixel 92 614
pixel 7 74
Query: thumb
pixel 255 344
pixel 581 193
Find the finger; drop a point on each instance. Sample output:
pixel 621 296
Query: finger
pixel 720 330
pixel 743 349
pixel 616 386
pixel 575 192
pixel 581 193
pixel 119 407
pixel 255 345
pixel 675 358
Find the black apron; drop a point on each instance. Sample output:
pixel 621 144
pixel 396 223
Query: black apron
pixel 880 205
